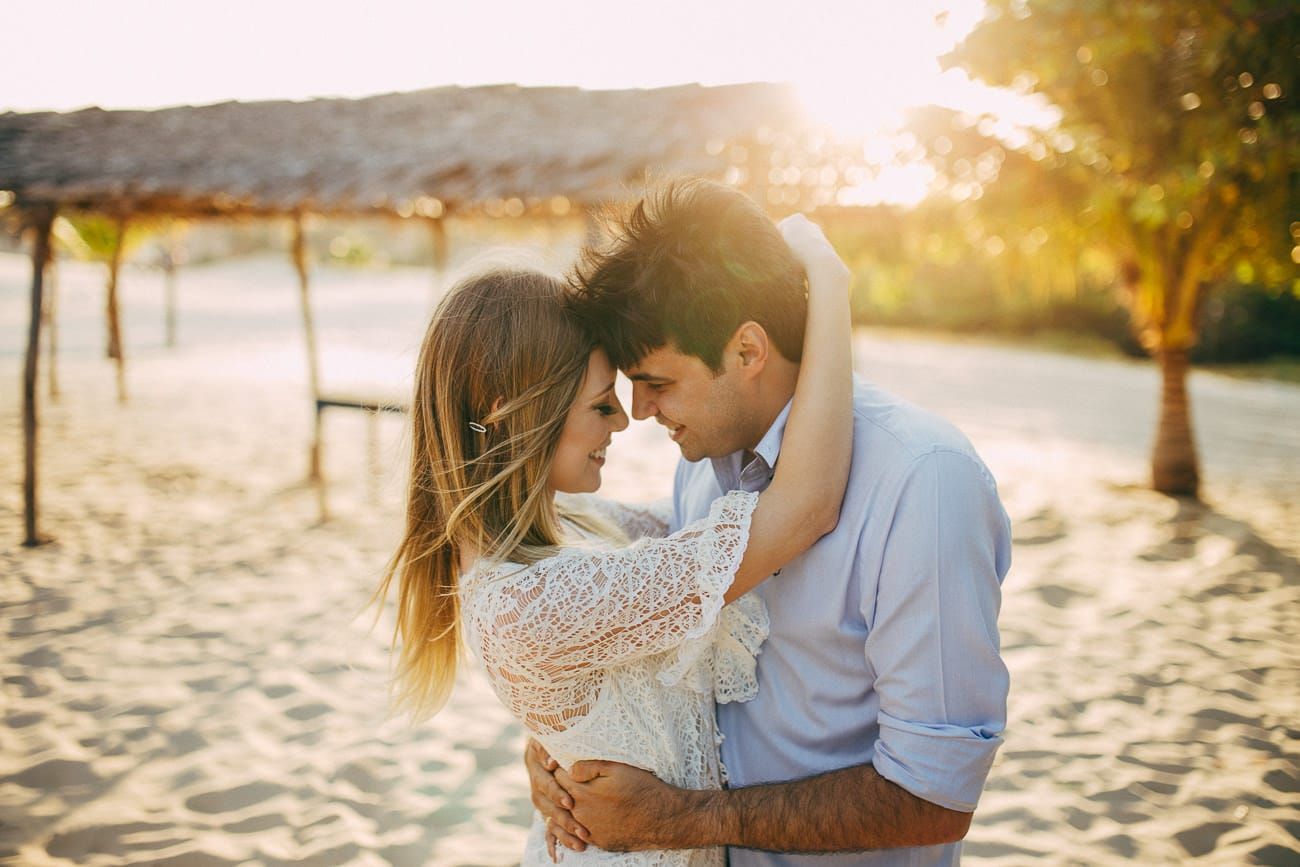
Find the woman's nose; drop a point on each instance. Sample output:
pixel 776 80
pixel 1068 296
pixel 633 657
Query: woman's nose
pixel 618 421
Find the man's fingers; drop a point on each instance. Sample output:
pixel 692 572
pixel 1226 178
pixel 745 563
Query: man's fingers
pixel 543 784
pixel 566 837
pixel 556 792
pixel 536 754
pixel 585 771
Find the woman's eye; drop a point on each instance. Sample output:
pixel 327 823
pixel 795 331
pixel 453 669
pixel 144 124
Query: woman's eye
pixel 605 409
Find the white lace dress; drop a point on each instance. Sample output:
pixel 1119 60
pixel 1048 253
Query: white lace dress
pixel 620 653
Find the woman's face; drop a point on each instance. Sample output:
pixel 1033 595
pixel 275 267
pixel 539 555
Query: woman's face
pixel 593 418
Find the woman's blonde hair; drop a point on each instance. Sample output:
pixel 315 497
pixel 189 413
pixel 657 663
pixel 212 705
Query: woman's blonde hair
pixel 501 353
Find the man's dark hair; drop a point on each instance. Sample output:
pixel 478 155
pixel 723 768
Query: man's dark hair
pixel 688 265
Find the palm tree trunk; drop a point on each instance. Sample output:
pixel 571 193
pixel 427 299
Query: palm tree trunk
pixel 1174 467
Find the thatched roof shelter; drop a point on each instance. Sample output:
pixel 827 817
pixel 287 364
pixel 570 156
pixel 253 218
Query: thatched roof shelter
pixel 382 154
pixel 425 154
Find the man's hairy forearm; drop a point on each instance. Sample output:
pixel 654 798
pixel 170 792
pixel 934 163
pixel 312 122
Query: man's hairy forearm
pixel 848 810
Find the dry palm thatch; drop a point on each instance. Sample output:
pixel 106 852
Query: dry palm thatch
pixel 425 154
pixel 382 154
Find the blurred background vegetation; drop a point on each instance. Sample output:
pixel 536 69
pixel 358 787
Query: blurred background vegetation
pixel 1157 214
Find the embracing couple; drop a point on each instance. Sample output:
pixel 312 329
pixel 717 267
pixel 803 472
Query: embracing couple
pixel 798 653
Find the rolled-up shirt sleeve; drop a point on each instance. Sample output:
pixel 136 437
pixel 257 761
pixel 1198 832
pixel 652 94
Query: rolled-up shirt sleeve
pixel 932 643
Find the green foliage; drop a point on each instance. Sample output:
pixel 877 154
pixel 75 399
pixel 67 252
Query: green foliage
pixel 93 236
pixel 909 272
pixel 1249 323
pixel 1177 156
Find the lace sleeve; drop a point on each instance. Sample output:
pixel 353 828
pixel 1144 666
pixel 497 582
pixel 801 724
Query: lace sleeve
pixel 584 610
pixel 636 520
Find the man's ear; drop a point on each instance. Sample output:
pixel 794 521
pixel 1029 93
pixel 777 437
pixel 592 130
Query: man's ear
pixel 749 346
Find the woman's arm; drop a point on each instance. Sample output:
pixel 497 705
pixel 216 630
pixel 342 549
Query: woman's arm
pixel 602 608
pixel 636 520
pixel 802 503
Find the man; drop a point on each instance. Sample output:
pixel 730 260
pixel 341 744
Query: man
pixel 882 695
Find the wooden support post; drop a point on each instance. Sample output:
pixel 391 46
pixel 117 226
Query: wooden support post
pixel 50 317
pixel 115 350
pixel 313 377
pixel 438 239
pixel 41 221
pixel 595 233
pixel 373 468
pixel 169 291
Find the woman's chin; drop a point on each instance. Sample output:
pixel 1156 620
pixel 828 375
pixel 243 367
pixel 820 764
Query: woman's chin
pixel 588 484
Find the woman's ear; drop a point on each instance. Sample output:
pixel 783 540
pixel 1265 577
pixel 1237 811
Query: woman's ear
pixel 493 410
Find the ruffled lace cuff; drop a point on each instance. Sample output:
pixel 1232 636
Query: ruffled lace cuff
pixel 718 653
pixel 743 630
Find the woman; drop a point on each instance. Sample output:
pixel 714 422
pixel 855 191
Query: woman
pixel 602 647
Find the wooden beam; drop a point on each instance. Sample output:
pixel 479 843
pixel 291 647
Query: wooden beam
pixel 595 231
pixel 50 318
pixel 438 241
pixel 169 289
pixel 299 252
pixel 114 319
pixel 40 221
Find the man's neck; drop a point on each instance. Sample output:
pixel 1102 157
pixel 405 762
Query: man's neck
pixel 774 391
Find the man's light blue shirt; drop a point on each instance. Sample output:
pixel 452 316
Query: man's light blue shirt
pixel 884 639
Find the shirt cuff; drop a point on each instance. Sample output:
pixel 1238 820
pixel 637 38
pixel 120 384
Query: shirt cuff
pixel 943 764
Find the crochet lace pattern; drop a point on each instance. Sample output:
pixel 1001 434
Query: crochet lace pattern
pixel 620 653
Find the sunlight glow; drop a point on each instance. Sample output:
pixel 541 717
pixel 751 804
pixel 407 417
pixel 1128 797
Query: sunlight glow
pixel 858 64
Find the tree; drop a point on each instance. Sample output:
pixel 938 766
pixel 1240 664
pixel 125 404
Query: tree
pixel 1180 136
pixel 108 239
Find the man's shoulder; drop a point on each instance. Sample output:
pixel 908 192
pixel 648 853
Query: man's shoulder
pixel 890 433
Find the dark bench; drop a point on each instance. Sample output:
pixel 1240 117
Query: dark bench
pixel 362 403
pixel 373 407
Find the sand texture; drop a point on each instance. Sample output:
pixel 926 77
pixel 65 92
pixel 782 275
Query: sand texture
pixel 187 678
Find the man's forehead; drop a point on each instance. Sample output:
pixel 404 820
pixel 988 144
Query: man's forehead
pixel 666 362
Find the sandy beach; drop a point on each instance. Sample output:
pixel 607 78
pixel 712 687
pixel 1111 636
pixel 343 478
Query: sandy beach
pixel 190 677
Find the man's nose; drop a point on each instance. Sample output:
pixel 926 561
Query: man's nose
pixel 642 405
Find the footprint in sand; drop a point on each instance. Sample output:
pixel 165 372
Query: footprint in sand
pixel 23 720
pixel 1274 856
pixel 1042 528
pixel 1283 782
pixel 1059 596
pixel 305 712
pixel 238 798
pixel 30 688
pixel 186 859
pixel 75 845
pixel 55 774
pixel 256 824
pixel 41 657
pixel 1200 840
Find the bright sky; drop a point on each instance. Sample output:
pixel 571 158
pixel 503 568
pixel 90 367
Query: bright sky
pixel 858 62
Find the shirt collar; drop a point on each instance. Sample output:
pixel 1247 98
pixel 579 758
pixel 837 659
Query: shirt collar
pixel 769 447
pixel 731 472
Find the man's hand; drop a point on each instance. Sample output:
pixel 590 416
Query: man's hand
pixel 625 808
pixel 552 801
pixel 628 809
